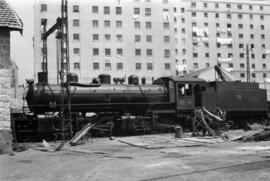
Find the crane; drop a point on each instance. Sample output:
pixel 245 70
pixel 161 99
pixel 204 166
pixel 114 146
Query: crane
pixel 61 26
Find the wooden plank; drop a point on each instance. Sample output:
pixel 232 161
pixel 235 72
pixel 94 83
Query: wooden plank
pixel 81 133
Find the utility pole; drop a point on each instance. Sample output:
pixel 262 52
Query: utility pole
pixel 247 61
pixel 65 113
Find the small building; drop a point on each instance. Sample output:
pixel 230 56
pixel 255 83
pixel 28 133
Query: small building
pixel 9 21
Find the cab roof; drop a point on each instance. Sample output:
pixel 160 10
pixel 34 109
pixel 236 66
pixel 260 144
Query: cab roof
pixel 179 79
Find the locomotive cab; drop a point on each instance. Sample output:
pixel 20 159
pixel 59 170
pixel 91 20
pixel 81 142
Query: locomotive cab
pixel 184 92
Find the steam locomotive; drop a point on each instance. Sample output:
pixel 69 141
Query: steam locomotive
pixel 131 107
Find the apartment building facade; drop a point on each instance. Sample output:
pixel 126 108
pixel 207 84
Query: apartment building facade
pixel 216 32
pixel 153 38
pixel 119 38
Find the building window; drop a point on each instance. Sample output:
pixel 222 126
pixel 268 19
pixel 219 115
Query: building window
pixel 216 5
pixel 182 10
pixel 218 45
pixel 94 9
pixel 262 36
pixel 183 20
pixel 43 8
pixel 166 25
pixel 108 66
pixel 95 23
pixel 250 7
pixel 193 4
pixel 118 10
pixel 261 7
pixel 241 45
pixel 137 24
pixel 217 15
pixel 228 5
pixel 230 65
pixel 193 14
pixel 195 55
pixel 252 55
pixel 240 16
pixel 76 51
pixel 76 36
pixel 95 51
pixel 229 34
pixel 264 75
pixel 252 36
pixel 242 65
pixel 195 66
pixel 206 55
pixel 205 15
pixel 119 66
pixel 107 52
pixel 239 6
pixel 242 75
pixel 205 5
pixel 167 66
pixel 137 38
pixel 76 9
pixel 174 9
pixel 138 66
pixel 262 27
pixel 229 25
pixel 251 27
pixel 240 26
pixel 96 66
pixel 207 65
pixel 106 10
pixel 253 66
pixel 166 53
pixel 241 55
pixel 218 55
pixel 206 44
pixel 229 16
pixel 263 46
pixel 241 36
pixel 95 37
pixel 118 24
pixel 76 22
pixel 261 17
pixel 193 24
pixel 76 65
pixel 149 66
pixel 136 11
pixel 250 16
pixel 107 37
pixel 183 30
pixel 107 23
pixel 147 11
pixel 217 34
pixel 148 25
pixel 149 52
pixel 166 39
pixel 253 75
pixel 119 51
pixel 148 38
pixel 119 38
pixel 137 52
pixel 264 66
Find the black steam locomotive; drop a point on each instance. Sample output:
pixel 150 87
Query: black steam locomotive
pixel 131 107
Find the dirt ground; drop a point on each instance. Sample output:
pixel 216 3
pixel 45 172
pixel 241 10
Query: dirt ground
pixel 152 157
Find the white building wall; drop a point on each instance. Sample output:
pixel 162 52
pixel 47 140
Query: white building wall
pixel 128 45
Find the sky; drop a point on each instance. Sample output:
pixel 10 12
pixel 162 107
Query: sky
pixel 22 45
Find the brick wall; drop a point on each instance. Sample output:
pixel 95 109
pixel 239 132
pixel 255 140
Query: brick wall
pixel 4 48
pixel 5 92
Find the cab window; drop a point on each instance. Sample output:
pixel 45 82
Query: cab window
pixel 184 89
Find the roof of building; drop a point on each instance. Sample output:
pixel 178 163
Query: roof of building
pixel 9 18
